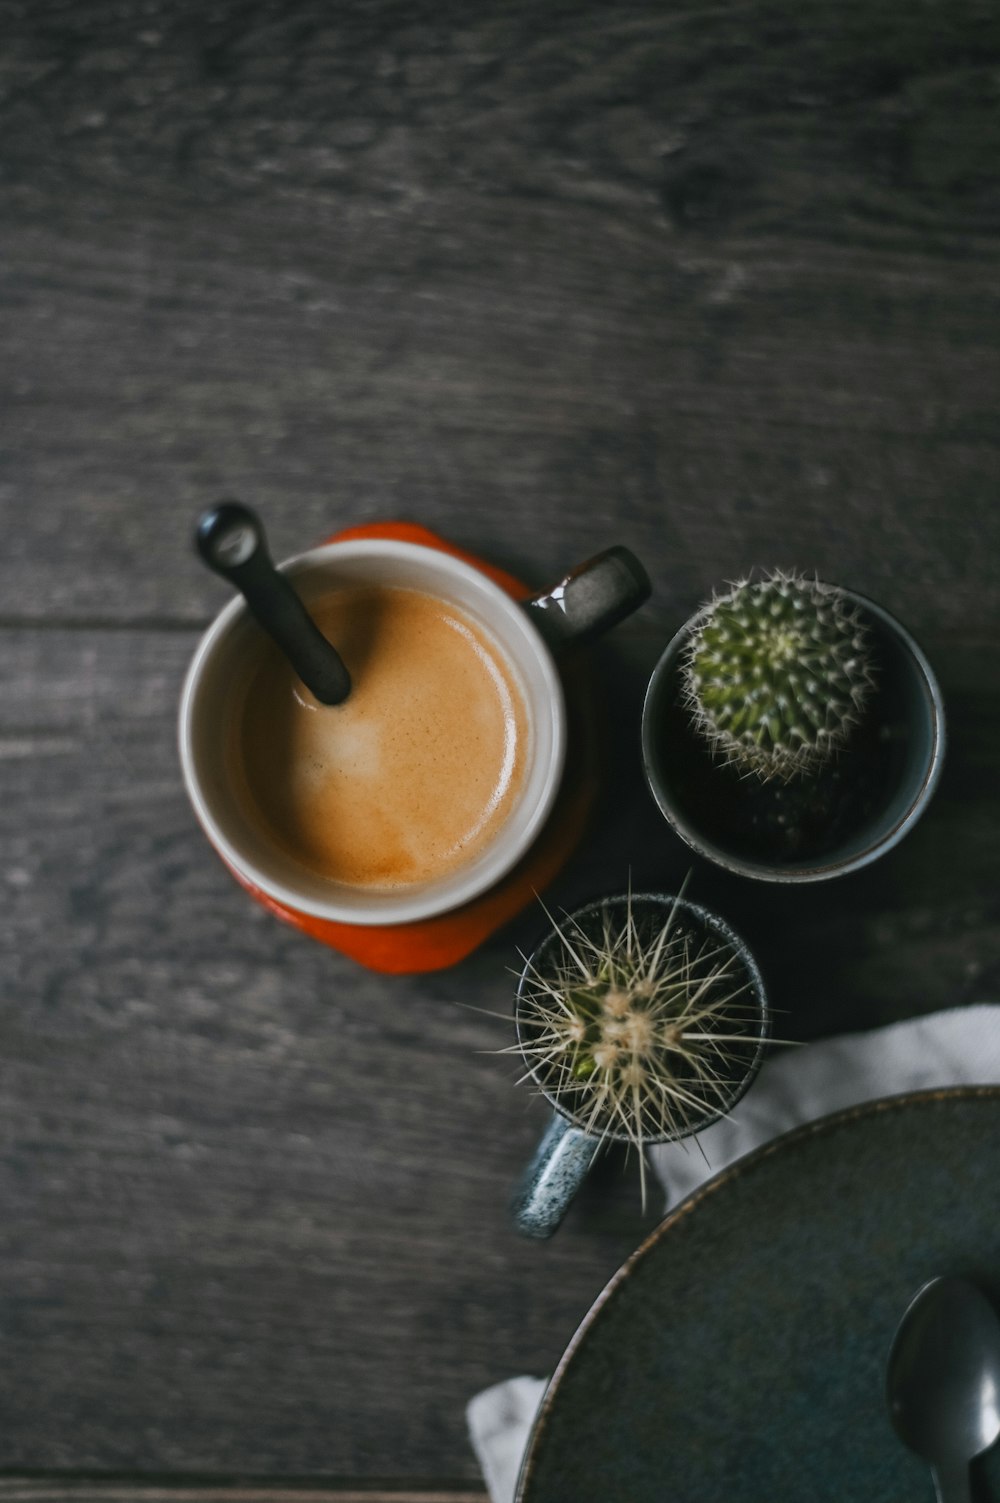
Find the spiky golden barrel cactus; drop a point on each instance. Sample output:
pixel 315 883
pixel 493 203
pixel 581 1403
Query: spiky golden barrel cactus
pixel 776 674
pixel 640 1018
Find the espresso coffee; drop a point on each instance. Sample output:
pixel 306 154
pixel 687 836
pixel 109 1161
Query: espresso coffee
pixel 414 774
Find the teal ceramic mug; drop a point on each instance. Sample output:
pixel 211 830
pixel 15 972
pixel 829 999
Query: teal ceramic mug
pixel 651 1043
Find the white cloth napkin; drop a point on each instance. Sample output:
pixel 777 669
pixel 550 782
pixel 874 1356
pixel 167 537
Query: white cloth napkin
pixel 960 1047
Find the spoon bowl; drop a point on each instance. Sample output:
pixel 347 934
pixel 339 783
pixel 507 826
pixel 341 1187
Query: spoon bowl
pixel 943 1380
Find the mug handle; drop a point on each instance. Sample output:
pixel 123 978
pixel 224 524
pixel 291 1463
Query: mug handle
pixel 592 598
pixel 556 1171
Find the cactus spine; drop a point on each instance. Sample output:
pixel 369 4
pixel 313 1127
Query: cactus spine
pixel 776 674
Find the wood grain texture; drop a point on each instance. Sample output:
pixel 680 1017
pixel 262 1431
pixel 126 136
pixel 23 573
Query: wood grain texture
pixel 256 1197
pixel 717 282
pixel 135 1490
pixel 665 277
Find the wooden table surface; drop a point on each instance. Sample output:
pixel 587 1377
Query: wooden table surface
pixel 720 283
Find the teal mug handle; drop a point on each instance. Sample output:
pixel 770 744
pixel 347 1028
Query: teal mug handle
pixel 556 1171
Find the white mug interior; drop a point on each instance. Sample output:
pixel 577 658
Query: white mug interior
pixel 224 657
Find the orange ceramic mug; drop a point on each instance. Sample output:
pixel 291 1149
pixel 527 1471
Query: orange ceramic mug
pixel 525 636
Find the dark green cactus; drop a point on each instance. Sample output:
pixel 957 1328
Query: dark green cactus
pixel 776 674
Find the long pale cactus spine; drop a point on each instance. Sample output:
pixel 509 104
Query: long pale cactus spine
pixel 777 673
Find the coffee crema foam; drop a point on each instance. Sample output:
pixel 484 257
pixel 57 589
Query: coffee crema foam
pixel 413 775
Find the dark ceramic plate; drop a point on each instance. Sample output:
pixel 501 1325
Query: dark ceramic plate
pixel 739 1355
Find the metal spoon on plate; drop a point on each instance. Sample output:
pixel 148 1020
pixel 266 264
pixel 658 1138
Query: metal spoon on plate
pixel 943 1381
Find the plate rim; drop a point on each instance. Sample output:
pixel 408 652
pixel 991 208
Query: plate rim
pixel 746 1163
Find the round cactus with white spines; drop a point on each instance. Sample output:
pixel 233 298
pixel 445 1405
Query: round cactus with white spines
pixel 640 1018
pixel 777 673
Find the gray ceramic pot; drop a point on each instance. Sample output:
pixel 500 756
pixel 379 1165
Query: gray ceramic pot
pixel 566 1150
pixel 860 806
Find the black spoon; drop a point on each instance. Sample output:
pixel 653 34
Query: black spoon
pixel 231 540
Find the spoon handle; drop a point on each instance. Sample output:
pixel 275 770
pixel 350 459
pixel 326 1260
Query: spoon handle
pixel 951 1483
pixel 230 539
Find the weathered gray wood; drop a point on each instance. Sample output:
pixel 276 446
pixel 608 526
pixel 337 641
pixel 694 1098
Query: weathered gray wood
pixel 255 1197
pixel 113 1490
pixel 720 283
